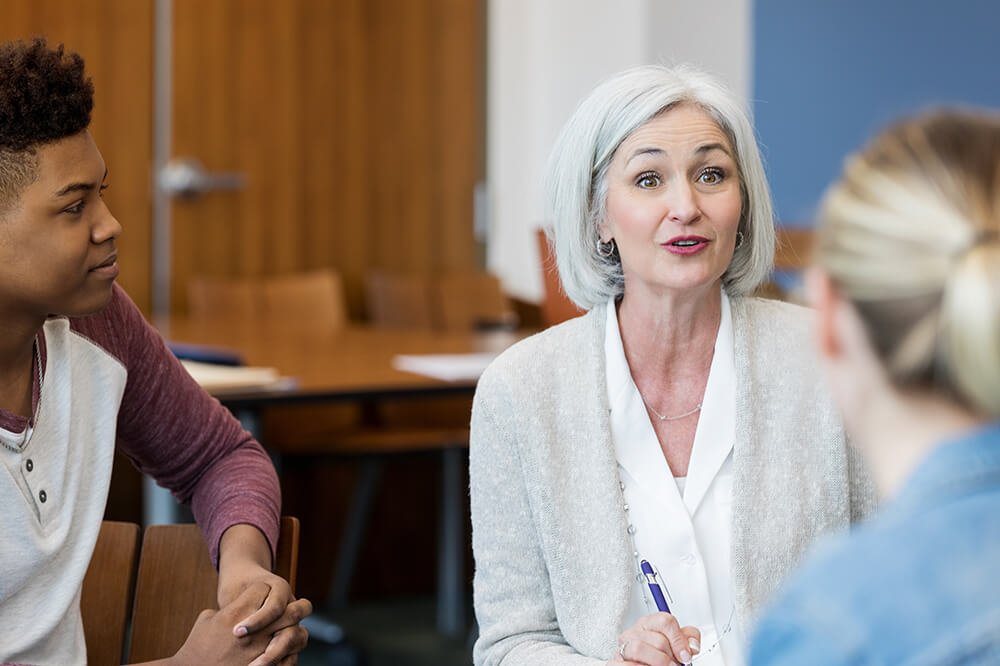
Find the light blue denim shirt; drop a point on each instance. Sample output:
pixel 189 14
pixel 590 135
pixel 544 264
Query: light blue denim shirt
pixel 917 585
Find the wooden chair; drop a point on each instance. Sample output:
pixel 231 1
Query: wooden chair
pixel 106 598
pixel 446 302
pixel 315 298
pixel 468 300
pixel 212 297
pixel 556 306
pixel 177 581
pixel 398 300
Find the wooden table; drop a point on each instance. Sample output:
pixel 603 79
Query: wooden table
pixel 334 365
pixel 356 364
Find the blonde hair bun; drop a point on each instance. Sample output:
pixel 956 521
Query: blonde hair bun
pixel 911 234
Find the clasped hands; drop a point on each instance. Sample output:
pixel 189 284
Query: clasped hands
pixel 657 640
pixel 257 624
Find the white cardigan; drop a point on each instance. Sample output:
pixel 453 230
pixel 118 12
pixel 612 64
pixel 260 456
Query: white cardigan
pixel 553 563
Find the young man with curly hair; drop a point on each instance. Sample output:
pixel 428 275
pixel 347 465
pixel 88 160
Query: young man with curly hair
pixel 79 369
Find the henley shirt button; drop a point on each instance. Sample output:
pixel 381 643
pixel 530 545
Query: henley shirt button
pixel 28 465
pixel 42 496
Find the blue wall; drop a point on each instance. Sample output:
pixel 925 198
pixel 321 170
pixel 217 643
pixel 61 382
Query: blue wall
pixel 828 74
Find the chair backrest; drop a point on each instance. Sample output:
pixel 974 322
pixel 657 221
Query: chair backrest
pixel 399 300
pixel 469 300
pixel 106 598
pixel 177 581
pixel 222 298
pixel 556 306
pixel 315 298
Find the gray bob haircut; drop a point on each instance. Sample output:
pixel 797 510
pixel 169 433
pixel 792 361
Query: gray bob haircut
pixel 576 177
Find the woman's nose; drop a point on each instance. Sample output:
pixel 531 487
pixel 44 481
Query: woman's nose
pixel 682 204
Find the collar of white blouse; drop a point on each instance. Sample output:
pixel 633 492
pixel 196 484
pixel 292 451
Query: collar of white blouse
pixel 714 435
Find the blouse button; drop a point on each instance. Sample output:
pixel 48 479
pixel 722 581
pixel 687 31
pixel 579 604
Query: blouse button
pixel 621 484
pixel 631 529
pixel 29 465
pixel 626 507
pixel 42 496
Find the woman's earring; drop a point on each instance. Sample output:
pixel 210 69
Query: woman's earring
pixel 606 250
pixel 739 240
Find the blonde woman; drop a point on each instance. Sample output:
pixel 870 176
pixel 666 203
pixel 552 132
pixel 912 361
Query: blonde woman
pixel 908 288
pixel 680 421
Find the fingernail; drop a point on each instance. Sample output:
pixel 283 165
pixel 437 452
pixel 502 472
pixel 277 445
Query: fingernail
pixel 694 645
pixel 685 656
pixel 241 631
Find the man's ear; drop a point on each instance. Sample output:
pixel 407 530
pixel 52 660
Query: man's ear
pixel 823 296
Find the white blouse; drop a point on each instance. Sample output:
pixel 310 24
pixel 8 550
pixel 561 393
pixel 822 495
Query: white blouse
pixel 681 526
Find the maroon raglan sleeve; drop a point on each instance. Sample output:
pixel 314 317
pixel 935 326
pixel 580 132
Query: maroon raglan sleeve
pixel 181 436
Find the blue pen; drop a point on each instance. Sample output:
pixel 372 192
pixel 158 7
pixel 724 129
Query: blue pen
pixel 654 587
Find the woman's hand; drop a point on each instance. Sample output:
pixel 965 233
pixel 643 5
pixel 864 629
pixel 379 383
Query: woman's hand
pixel 243 559
pixel 658 640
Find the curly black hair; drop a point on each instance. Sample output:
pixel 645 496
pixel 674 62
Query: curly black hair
pixel 44 97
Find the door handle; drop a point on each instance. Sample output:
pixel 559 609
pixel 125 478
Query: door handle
pixel 185 177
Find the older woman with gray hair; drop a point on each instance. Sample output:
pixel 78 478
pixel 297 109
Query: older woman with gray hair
pixel 675 436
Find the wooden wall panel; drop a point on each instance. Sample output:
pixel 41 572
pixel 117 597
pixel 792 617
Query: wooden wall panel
pixel 317 44
pixel 351 149
pixel 358 125
pixel 461 162
pixel 115 38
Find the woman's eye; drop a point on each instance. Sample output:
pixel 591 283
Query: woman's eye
pixel 648 181
pixel 75 209
pixel 711 176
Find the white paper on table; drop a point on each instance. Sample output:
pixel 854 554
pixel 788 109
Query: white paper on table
pixel 214 377
pixel 449 367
